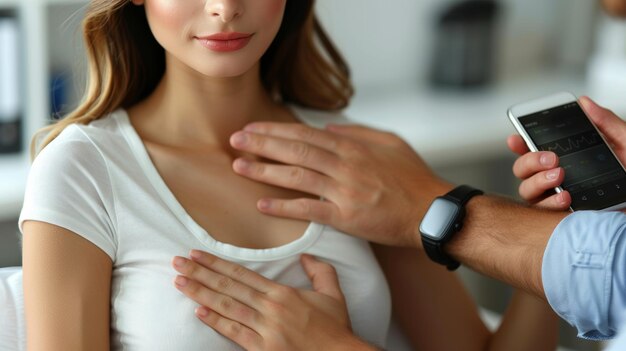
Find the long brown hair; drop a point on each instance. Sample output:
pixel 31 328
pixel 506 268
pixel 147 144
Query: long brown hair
pixel 125 63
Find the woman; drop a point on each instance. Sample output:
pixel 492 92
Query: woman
pixel 141 172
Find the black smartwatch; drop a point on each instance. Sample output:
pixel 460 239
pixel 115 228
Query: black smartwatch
pixel 442 220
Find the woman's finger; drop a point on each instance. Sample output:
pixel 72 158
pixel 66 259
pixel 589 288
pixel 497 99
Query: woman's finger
pixel 218 282
pixel 323 277
pixel 535 186
pixel 231 270
pixel 289 177
pixel 533 162
pixel 238 333
pixel 293 152
pixel 225 305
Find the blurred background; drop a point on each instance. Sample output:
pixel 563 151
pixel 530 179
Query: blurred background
pixel 440 73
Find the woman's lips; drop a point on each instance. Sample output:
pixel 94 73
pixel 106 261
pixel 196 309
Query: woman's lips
pixel 225 42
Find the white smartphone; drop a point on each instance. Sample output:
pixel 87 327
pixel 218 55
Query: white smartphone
pixel 594 176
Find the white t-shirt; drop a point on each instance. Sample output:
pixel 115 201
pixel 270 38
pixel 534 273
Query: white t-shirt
pixel 99 182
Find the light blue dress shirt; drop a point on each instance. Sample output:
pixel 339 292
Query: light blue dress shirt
pixel 619 344
pixel 584 272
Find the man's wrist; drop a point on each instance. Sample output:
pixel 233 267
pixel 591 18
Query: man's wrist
pixel 505 240
pixel 423 199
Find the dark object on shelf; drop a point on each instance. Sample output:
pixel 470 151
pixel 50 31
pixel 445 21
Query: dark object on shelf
pixel 10 92
pixel 58 95
pixel 11 136
pixel 464 44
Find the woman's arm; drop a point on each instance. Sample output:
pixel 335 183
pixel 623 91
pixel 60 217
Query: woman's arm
pixel 529 323
pixel 436 312
pixel 67 282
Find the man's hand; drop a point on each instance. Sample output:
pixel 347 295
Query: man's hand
pixel 259 314
pixel 539 171
pixel 373 184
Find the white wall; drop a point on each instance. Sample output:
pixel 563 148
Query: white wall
pixel 389 42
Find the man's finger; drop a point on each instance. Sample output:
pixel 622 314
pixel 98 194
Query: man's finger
pixel 517 145
pixel 305 209
pixel 363 133
pixel 533 162
pixel 323 277
pixel 613 128
pixel 556 202
pixel 232 270
pixel 534 187
pixel 297 132
pixel 292 152
pixel 289 177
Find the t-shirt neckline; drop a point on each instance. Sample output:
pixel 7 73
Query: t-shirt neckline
pixel 311 234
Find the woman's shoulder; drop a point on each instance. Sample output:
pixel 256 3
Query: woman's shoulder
pixel 320 118
pixel 78 138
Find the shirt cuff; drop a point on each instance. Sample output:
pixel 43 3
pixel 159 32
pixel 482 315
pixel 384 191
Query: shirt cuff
pixel 577 270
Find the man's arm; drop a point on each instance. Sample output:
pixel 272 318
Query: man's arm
pixel 505 240
pixel 376 187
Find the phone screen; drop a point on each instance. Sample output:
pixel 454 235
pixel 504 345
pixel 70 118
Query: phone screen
pixel 593 176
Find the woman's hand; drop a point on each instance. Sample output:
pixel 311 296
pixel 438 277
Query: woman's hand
pixel 259 314
pixel 539 171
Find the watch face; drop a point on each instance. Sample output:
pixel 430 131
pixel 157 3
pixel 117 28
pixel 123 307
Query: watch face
pixel 439 219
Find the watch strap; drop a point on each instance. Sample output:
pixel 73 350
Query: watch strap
pixel 434 249
pixel 462 194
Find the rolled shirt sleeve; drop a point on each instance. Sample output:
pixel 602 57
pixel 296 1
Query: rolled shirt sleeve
pixel 583 272
pixel 619 344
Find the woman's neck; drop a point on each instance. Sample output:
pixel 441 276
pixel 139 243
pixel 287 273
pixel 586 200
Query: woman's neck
pixel 189 110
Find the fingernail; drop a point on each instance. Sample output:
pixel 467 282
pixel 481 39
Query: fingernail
pixel 547 159
pixel 239 139
pixel 241 164
pixel 179 262
pixel 560 198
pixel 264 204
pixel 202 311
pixel 195 254
pixel 553 174
pixel 181 281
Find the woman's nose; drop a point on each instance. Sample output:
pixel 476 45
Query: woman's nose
pixel 226 10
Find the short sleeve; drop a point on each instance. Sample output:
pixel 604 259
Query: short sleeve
pixel 69 186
